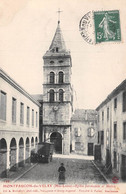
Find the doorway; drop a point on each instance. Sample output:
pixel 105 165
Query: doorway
pixel 108 157
pixel 3 158
pixel 97 152
pixel 123 168
pixel 21 152
pixel 56 138
pixel 90 149
pixel 13 147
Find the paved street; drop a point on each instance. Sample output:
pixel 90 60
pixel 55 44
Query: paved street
pixel 78 171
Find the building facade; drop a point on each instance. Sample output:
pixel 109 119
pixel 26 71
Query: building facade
pixel 19 124
pixel 57 94
pixel 112 130
pixel 84 131
pixel 39 98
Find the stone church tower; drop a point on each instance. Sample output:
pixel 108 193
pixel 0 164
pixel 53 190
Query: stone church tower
pixel 57 94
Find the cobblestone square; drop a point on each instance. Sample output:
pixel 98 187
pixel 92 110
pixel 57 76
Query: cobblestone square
pixel 78 171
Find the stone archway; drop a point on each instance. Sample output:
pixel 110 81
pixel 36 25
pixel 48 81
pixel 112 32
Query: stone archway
pixel 3 158
pixel 32 143
pixel 21 152
pixel 13 148
pixel 56 138
pixel 27 151
pixel 36 142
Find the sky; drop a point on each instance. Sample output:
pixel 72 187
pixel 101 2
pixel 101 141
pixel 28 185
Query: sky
pixel 27 28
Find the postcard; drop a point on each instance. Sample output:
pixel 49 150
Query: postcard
pixel 62 96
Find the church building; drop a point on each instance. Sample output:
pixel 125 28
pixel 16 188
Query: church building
pixel 57 94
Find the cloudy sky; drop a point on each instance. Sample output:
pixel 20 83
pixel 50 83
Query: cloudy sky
pixel 26 31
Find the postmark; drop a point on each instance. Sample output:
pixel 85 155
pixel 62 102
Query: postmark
pixel 100 26
pixel 86 28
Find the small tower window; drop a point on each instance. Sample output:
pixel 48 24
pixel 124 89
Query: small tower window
pixel 60 61
pixel 60 95
pixel 90 132
pixel 52 77
pixel 51 95
pixel 57 49
pixel 60 77
pixel 51 62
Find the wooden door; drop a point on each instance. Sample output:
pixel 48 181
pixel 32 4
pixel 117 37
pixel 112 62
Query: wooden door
pixel 123 168
pixel 97 152
pixel 90 149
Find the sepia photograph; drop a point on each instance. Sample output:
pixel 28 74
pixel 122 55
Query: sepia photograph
pixel 62 96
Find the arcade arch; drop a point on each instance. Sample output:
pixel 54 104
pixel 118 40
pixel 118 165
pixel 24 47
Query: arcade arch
pixel 3 157
pixel 21 152
pixel 32 143
pixel 36 141
pixel 27 150
pixel 13 154
pixel 56 138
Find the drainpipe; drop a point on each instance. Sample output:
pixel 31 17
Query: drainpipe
pixel 111 133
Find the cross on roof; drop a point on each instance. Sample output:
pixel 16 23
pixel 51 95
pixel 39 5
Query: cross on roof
pixel 59 11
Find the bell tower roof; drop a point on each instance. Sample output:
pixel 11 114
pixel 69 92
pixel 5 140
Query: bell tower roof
pixel 58 40
pixel 57 47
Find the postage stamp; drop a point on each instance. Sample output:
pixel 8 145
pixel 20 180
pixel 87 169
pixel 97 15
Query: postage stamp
pixel 107 26
pixel 100 26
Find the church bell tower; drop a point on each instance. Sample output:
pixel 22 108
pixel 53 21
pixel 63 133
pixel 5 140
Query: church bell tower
pixel 57 94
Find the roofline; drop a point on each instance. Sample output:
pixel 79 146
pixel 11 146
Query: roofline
pixel 48 55
pixel 86 110
pixel 115 92
pixel 56 125
pixel 83 120
pixel 8 79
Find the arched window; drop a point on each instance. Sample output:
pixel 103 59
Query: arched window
pixel 91 132
pixel 51 62
pixel 60 95
pixel 61 61
pixel 51 95
pixel 60 77
pixel 52 77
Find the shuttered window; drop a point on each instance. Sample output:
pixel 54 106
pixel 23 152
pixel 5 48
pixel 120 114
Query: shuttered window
pixel 102 137
pixel 60 77
pixel 124 131
pixel 108 113
pixel 52 77
pixel 36 119
pixel 32 117
pixel 115 103
pixel 14 102
pixel 3 105
pixel 124 101
pixel 21 113
pixel 115 130
pixel 60 95
pixel 28 115
pixel 51 95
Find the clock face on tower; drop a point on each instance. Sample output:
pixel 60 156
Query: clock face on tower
pixel 55 108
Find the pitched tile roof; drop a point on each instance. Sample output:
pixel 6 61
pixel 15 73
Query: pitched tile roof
pixel 37 97
pixel 84 114
pixel 114 93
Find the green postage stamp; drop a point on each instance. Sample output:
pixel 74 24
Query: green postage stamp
pixel 100 26
pixel 107 26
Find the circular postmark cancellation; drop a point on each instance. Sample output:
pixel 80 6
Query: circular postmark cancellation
pixel 86 28
pixel 100 26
